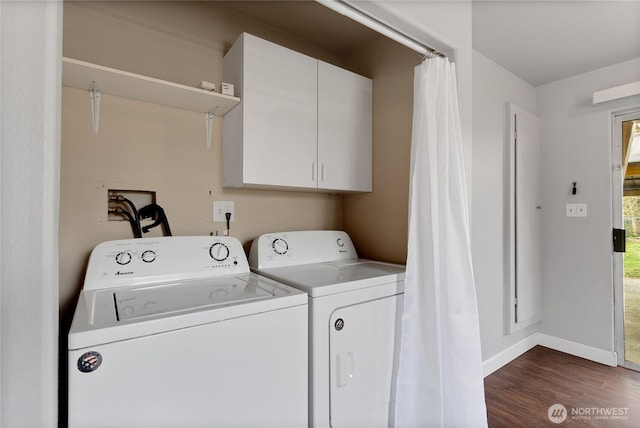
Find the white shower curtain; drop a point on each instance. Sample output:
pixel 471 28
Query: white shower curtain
pixel 440 382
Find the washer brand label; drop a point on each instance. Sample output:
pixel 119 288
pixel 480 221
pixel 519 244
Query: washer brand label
pixel 339 324
pixel 123 273
pixel 89 361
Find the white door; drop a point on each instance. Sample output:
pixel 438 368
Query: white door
pixel 526 219
pixel 344 129
pixel 363 349
pixel 280 115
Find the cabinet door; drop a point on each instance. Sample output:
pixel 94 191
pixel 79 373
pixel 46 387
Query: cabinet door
pixel 344 129
pixel 280 115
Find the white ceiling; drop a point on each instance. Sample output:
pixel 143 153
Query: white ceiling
pixel 545 41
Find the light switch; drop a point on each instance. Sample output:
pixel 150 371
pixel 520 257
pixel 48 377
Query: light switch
pixel 571 210
pixel 581 210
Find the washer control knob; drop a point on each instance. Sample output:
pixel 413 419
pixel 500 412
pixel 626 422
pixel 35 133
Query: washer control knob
pixel 340 242
pixel 219 252
pixel 148 256
pixel 280 246
pixel 123 258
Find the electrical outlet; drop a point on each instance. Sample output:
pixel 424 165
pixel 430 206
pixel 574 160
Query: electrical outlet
pixel 220 208
pixel 581 210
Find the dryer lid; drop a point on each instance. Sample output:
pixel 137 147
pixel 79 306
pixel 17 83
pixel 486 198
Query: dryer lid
pixel 321 279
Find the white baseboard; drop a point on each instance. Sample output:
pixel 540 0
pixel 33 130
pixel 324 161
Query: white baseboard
pixel 511 353
pixel 573 348
pixel 579 350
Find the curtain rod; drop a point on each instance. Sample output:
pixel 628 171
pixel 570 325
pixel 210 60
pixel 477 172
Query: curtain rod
pixel 365 18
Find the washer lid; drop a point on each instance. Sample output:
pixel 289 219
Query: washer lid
pixel 104 316
pixel 321 279
pixel 135 303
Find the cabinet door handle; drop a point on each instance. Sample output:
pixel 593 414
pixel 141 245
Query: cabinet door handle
pixel 313 171
pixel 323 170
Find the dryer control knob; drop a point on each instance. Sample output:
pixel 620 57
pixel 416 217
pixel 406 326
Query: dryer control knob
pixel 280 246
pixel 219 252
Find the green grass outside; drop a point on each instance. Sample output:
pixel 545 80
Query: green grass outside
pixel 632 300
pixel 632 259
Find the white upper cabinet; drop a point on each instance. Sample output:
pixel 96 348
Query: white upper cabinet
pixel 301 124
pixel 270 138
pixel 344 129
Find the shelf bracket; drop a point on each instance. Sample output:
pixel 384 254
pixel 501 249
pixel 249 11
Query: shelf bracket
pixel 94 98
pixel 208 122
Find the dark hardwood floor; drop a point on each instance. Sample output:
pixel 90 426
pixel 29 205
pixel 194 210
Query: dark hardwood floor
pixel 594 395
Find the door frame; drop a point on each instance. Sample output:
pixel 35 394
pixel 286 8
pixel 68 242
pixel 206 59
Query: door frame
pixel 618 222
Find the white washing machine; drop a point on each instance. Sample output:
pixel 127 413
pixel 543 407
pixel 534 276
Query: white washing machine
pixel 355 308
pixel 177 332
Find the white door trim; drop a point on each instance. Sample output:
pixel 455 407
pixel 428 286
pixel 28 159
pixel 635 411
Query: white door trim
pixel 618 223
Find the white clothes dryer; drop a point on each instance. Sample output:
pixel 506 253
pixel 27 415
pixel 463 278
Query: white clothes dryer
pixel 177 332
pixel 355 308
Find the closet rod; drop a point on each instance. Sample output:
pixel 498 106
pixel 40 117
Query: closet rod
pixel 365 18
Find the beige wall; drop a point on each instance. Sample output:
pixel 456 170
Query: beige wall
pixel 142 146
pixel 377 221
